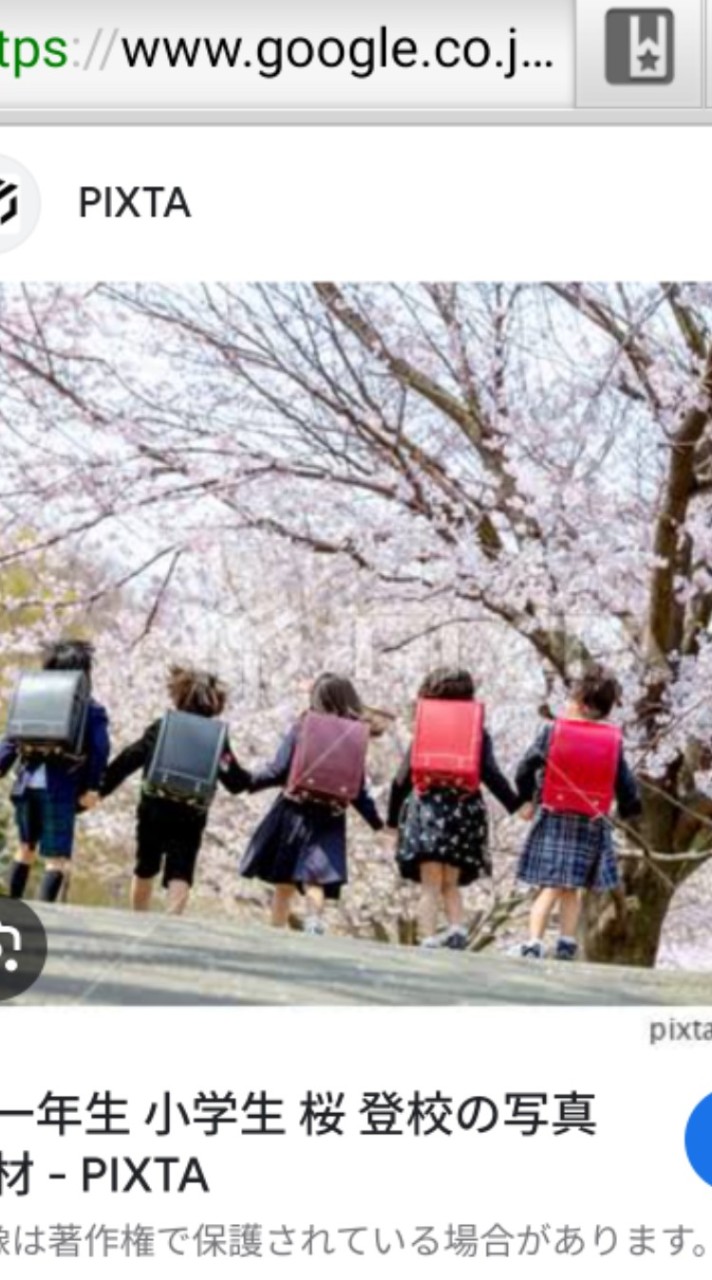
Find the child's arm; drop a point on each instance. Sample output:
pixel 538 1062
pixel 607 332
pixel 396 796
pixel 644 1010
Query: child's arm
pixel 627 792
pixel 8 756
pixel 531 767
pixel 98 752
pixel 365 806
pixel 128 761
pixel 231 774
pixel 275 773
pixel 99 747
pixel 495 780
pixel 401 788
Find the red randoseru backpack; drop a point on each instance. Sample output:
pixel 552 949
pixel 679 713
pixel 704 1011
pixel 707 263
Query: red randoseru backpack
pixel 581 767
pixel 329 759
pixel 447 747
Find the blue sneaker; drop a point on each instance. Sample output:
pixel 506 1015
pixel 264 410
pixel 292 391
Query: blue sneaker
pixel 456 938
pixel 566 949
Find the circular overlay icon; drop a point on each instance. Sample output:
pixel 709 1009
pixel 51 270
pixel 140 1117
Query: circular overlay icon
pixel 23 948
pixel 698 1139
pixel 19 204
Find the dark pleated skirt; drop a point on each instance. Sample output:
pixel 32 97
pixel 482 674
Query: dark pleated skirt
pixel 299 844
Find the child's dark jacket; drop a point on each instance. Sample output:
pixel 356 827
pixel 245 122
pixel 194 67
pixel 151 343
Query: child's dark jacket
pixel 444 824
pixel 67 779
pixel 301 842
pixel 139 755
pixel 570 850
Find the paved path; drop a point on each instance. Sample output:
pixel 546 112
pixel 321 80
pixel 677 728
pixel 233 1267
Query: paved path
pixel 101 957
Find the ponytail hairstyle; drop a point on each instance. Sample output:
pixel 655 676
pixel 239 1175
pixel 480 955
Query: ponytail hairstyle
pixel 69 655
pixel 198 692
pixel 334 695
pixel 449 684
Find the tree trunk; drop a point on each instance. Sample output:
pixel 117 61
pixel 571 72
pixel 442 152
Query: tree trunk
pixel 626 927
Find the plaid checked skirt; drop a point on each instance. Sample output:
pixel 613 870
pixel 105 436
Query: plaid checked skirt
pixel 569 851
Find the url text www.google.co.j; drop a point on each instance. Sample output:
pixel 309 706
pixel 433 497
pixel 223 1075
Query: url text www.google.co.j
pixel 269 56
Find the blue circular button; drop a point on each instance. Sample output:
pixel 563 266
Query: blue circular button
pixel 698 1139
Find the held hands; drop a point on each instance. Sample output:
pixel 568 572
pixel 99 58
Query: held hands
pixel 527 811
pixel 89 800
pixel 386 844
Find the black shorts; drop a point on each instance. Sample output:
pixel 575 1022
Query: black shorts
pixel 168 835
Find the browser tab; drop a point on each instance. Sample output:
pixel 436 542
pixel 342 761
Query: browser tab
pixel 639 55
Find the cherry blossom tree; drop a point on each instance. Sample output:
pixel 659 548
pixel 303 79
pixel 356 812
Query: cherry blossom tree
pixel 522 472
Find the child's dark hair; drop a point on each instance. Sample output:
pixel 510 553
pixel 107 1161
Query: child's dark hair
pixel 68 655
pixel 199 692
pixel 335 695
pixel 448 684
pixel 597 690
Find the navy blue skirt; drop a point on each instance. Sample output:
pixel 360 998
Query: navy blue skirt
pixel 46 823
pixel 299 844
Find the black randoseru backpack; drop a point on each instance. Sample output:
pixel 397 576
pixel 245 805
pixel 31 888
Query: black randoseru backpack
pixel 186 759
pixel 48 713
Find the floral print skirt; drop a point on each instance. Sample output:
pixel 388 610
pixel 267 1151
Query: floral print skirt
pixel 448 826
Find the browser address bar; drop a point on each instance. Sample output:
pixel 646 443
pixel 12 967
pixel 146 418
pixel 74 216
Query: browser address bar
pixel 275 55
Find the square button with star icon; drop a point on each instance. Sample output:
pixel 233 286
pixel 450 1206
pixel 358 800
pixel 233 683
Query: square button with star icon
pixel 646 56
pixel 640 46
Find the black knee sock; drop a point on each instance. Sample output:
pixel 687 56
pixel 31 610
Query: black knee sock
pixel 51 886
pixel 17 880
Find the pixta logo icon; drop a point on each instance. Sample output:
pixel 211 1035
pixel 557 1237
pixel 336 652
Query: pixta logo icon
pixel 19 204
pixel 640 46
pixel 9 204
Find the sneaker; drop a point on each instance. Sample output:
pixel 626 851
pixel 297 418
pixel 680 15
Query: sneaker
pixel 456 938
pixel 433 943
pixel 314 926
pixel 566 949
pixel 533 950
